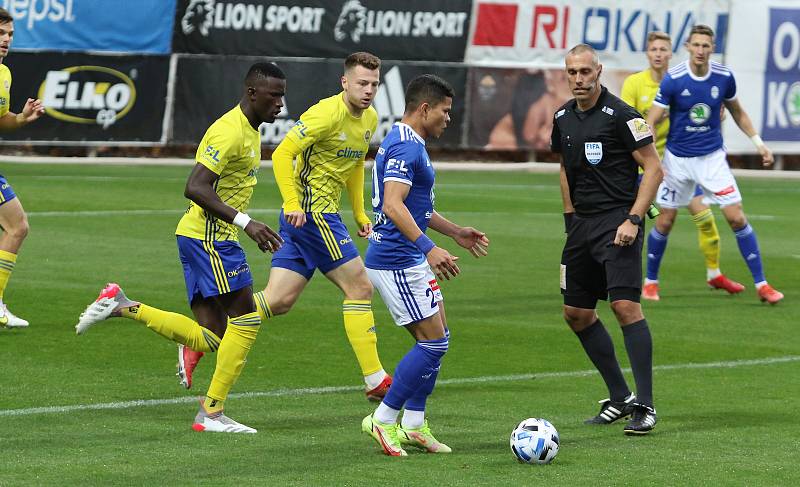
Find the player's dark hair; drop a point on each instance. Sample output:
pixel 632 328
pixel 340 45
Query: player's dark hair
pixel 365 59
pixel 263 70
pixel 427 88
pixel 702 30
pixel 5 17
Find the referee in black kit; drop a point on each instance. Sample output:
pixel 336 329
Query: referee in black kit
pixel 601 140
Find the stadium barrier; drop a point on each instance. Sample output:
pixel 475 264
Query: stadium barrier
pixel 418 30
pixel 504 59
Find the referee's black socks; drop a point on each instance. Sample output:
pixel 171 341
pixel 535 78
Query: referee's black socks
pixel 639 345
pixel 598 346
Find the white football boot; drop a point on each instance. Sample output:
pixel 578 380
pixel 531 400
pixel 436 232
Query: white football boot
pixel 9 319
pixel 108 304
pixel 218 423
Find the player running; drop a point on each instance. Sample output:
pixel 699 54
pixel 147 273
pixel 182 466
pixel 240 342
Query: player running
pixel 218 278
pixel 329 143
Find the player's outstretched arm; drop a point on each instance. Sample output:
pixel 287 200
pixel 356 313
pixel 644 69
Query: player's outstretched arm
pixel 200 189
pixel 282 167
pixel 742 119
pixel 355 190
pixel 468 237
pixel 394 195
pixel 32 110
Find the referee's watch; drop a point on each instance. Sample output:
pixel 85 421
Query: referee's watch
pixel 635 219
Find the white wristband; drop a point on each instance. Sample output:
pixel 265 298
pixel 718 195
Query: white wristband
pixel 241 220
pixel 757 141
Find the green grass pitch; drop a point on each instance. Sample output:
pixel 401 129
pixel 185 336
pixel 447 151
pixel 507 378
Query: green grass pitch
pixel 726 379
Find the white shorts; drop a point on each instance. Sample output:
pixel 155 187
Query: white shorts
pixel 711 172
pixel 411 294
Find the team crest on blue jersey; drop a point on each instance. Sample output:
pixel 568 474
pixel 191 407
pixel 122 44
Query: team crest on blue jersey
pixel 700 113
pixel 714 92
pixel 593 151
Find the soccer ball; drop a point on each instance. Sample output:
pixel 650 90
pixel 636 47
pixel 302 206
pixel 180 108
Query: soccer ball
pixel 534 441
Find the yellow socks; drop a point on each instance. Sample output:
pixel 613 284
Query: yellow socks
pixel 708 237
pixel 7 261
pixel 262 306
pixel 175 326
pixel 359 323
pixel 239 337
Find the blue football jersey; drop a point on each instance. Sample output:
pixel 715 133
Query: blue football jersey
pixel 401 158
pixel 694 107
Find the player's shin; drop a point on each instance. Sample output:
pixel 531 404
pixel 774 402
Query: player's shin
pixel 415 370
pixel 234 347
pixel 748 247
pixel 359 324
pixel 7 262
pixel 262 306
pixel 656 245
pixel 708 238
pixel 175 327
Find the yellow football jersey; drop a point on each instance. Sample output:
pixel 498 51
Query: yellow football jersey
pixel 331 141
pixel 639 90
pixel 231 148
pixel 5 89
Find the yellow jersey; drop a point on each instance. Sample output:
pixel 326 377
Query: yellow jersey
pixel 639 90
pixel 5 89
pixel 230 148
pixel 332 142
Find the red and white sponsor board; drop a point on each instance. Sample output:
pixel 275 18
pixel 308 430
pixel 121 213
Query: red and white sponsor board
pixel 519 33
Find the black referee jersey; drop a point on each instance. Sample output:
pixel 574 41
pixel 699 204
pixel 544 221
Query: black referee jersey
pixel 597 147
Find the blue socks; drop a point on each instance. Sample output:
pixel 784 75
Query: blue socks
pixel 656 245
pixel 748 247
pixel 415 375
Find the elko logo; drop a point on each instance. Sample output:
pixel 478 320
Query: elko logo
pixel 88 94
pixel 198 16
pixel 351 22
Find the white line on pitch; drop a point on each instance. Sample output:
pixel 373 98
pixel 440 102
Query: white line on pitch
pixel 335 389
pixel 274 211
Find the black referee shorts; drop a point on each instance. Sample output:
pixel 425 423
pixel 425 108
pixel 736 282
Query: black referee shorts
pixel 593 268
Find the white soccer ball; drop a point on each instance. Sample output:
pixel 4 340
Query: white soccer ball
pixel 535 441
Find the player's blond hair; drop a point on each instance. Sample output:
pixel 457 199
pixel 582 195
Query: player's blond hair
pixel 365 59
pixel 657 35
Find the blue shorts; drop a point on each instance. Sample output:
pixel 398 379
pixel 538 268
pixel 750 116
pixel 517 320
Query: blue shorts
pixel 213 268
pixel 322 243
pixel 6 191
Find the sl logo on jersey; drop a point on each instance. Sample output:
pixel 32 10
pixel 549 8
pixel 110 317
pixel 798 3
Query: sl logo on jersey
pixel 593 151
pixel 700 113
